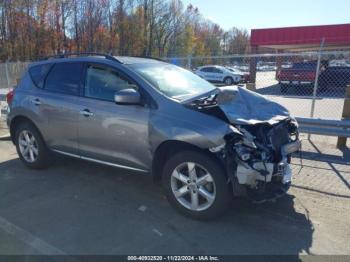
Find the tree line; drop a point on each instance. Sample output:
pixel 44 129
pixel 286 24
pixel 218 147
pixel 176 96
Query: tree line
pixel 30 29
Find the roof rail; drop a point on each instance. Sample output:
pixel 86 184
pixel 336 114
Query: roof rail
pixel 150 57
pixel 66 55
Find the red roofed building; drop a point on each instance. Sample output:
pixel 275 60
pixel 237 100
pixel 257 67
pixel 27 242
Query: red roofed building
pixel 303 38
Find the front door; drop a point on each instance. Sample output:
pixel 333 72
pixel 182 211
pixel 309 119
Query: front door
pixel 217 75
pixel 108 132
pixel 208 73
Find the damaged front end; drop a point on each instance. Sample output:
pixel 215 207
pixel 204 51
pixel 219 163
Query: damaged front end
pixel 258 161
pixel 257 153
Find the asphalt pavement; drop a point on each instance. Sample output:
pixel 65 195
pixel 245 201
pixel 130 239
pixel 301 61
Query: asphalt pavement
pixel 77 207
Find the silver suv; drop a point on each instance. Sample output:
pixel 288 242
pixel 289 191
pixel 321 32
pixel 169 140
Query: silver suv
pixel 203 143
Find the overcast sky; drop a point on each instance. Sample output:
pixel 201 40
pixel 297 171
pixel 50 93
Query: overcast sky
pixel 273 13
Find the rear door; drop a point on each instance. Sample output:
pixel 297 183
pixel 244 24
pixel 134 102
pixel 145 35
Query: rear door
pixel 109 132
pixel 58 102
pixel 208 74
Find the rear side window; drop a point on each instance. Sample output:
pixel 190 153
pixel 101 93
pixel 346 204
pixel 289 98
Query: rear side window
pixel 64 78
pixel 38 74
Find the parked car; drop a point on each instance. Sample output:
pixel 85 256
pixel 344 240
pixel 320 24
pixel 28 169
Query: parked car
pixel 299 74
pixel 303 74
pixel 218 74
pixel 245 76
pixel 266 66
pixel 205 144
pixel 333 78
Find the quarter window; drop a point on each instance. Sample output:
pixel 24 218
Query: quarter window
pixel 38 74
pixel 102 83
pixel 64 78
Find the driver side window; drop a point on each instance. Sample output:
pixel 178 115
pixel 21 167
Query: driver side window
pixel 102 83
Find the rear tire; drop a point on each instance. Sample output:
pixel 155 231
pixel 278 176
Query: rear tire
pixel 196 185
pixel 228 81
pixel 31 147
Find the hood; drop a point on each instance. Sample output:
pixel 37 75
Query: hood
pixel 242 106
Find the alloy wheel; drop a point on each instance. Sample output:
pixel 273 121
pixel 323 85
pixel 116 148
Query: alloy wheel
pixel 193 186
pixel 28 146
pixel 228 81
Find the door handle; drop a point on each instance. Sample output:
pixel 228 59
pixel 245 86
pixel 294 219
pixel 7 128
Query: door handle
pixel 86 112
pixel 36 101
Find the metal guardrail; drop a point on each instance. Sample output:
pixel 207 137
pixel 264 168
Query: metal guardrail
pixel 340 128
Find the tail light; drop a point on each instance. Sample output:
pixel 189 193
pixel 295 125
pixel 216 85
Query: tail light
pixel 311 75
pixel 279 72
pixel 9 97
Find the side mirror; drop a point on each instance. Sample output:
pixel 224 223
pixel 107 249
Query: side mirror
pixel 127 97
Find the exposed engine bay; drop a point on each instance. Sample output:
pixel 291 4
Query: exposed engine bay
pixel 257 153
pixel 261 158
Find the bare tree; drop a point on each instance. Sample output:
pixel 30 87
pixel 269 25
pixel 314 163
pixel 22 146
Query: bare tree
pixel 34 28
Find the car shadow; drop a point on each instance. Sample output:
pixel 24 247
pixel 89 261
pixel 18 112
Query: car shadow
pixel 301 92
pixel 282 228
pixel 64 203
pixel 269 90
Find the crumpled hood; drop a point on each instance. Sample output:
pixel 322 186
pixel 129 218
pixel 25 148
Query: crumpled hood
pixel 243 107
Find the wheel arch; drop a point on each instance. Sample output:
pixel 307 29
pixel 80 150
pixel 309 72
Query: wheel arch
pixel 169 148
pixel 229 77
pixel 16 121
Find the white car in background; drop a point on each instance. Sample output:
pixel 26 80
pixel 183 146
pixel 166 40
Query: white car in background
pixel 245 76
pixel 218 74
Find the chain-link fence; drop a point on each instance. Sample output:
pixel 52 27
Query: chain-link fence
pixel 9 73
pixel 309 84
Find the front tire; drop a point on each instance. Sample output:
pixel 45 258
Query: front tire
pixel 196 185
pixel 31 147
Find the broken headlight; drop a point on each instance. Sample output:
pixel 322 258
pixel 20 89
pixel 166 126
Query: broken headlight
pixel 243 152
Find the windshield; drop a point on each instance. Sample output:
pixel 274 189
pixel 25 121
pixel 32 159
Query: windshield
pixel 173 81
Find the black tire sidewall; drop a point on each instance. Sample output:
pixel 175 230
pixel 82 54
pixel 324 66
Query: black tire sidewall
pixel 43 158
pixel 231 80
pixel 223 196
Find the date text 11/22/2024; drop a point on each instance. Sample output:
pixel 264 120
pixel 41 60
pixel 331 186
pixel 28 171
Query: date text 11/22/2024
pixel 173 258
